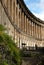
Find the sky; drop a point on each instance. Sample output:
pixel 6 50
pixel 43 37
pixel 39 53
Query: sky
pixel 36 7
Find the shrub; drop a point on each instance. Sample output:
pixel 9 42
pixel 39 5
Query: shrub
pixel 9 53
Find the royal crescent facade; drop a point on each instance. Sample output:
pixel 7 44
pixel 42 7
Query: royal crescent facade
pixel 21 24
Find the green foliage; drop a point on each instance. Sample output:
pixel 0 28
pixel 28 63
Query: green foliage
pixel 3 63
pixel 9 53
pixel 2 28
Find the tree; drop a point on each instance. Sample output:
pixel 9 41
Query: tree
pixel 9 53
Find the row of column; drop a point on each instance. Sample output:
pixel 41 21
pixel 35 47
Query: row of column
pixel 19 18
pixel 27 26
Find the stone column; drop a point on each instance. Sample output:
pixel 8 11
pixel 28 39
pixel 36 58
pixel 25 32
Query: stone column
pixel 15 11
pixel 14 15
pixel 25 23
pixel 5 3
pixel 20 18
pixel 35 30
pixel 27 26
pixel 11 9
pixel 31 28
pixel 15 4
pixel 8 6
pixel 18 23
pixel 23 20
pixel 0 13
pixel 40 31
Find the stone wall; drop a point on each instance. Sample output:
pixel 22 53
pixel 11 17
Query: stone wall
pixel 28 30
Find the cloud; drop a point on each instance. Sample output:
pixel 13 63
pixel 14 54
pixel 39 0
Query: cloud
pixel 41 4
pixel 36 7
pixel 40 15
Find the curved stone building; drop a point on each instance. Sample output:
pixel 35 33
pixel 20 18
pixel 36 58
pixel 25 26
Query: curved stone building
pixel 21 24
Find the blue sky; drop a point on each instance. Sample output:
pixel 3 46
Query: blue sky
pixel 36 7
